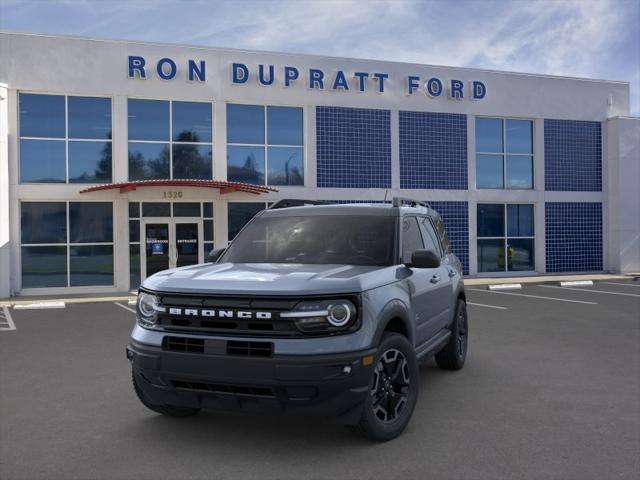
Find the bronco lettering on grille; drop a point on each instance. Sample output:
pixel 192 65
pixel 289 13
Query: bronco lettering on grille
pixel 193 312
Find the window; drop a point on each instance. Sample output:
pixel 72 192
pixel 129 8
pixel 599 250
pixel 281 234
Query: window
pixel 505 237
pixel 504 153
pixel 429 236
pixel 66 244
pixel 265 144
pixel 170 139
pixel 65 139
pixel 411 238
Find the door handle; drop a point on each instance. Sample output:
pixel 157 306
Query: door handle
pixel 452 273
pixel 435 279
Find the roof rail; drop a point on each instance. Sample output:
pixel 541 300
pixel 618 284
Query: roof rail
pixel 295 202
pixel 408 202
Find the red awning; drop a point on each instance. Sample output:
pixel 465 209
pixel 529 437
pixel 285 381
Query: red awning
pixel 224 187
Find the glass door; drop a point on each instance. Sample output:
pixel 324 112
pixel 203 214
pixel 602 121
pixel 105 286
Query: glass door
pixel 157 255
pixel 170 243
pixel 188 242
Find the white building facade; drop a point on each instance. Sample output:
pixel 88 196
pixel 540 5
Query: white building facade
pixel 119 159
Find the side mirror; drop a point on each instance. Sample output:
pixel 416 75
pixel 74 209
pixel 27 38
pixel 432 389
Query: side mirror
pixel 215 254
pixel 424 259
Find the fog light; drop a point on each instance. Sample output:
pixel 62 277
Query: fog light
pixel 368 360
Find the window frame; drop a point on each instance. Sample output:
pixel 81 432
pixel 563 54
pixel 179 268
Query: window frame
pixel 436 238
pixel 169 141
pixel 402 218
pixel 266 145
pixel 67 243
pixel 506 237
pixel 504 154
pixel 66 139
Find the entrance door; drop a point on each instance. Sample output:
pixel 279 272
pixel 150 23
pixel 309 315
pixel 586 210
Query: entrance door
pixel 157 255
pixel 188 242
pixel 170 243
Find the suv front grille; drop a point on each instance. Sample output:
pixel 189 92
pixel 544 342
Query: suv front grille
pixel 243 390
pixel 217 347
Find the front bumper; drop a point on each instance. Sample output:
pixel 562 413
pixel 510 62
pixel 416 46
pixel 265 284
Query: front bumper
pixel 332 385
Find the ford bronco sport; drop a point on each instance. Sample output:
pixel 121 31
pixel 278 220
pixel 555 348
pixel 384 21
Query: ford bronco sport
pixel 312 309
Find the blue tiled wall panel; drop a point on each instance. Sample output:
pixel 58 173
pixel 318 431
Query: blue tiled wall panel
pixel 433 150
pixel 353 147
pixel 573 236
pixel 455 216
pixel 572 156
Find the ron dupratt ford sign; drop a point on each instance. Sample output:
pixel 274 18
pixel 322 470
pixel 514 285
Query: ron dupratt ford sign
pixel 314 78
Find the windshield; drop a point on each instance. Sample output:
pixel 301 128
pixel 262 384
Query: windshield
pixel 341 239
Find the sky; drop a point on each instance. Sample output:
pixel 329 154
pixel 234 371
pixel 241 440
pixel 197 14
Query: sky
pixel 579 38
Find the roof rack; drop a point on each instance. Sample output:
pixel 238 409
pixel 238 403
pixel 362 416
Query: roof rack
pixel 408 202
pixel 295 202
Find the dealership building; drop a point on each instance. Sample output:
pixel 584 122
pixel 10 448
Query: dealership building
pixel 120 159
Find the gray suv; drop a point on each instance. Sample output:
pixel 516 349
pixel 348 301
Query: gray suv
pixel 312 309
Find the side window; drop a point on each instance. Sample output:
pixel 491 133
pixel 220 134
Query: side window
pixel 429 235
pixel 411 238
pixel 442 234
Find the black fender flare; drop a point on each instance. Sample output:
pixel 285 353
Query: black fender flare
pixel 394 309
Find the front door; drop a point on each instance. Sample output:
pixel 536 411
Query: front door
pixel 170 243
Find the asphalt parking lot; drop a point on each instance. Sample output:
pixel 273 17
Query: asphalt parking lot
pixel 551 389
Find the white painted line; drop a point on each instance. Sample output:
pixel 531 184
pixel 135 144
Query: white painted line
pixel 132 303
pixel 487 306
pixel 623 284
pixel 577 283
pixel 126 308
pixel 6 315
pixel 39 305
pixel 534 296
pixel 593 291
pixel 505 286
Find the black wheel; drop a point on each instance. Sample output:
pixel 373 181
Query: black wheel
pixel 169 410
pixel 454 354
pixel 393 390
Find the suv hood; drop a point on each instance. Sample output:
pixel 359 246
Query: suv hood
pixel 270 279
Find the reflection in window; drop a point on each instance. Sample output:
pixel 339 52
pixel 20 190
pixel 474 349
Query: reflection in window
pixel 498 252
pixel 192 161
pixel 245 164
pixel 285 166
pixel 44 118
pixel 177 140
pixel 90 162
pixel 504 153
pixel 44 266
pixel 148 161
pixel 277 159
pixel 43 222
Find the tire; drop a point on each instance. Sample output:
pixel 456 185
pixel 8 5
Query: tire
pixel 454 353
pixel 168 410
pixel 393 390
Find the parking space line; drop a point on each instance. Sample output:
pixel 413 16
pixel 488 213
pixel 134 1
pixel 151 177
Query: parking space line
pixel 487 306
pixel 126 308
pixel 620 283
pixel 591 290
pixel 6 322
pixel 533 296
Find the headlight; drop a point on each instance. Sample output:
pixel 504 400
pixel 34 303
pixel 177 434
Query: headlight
pixel 148 307
pixel 323 316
